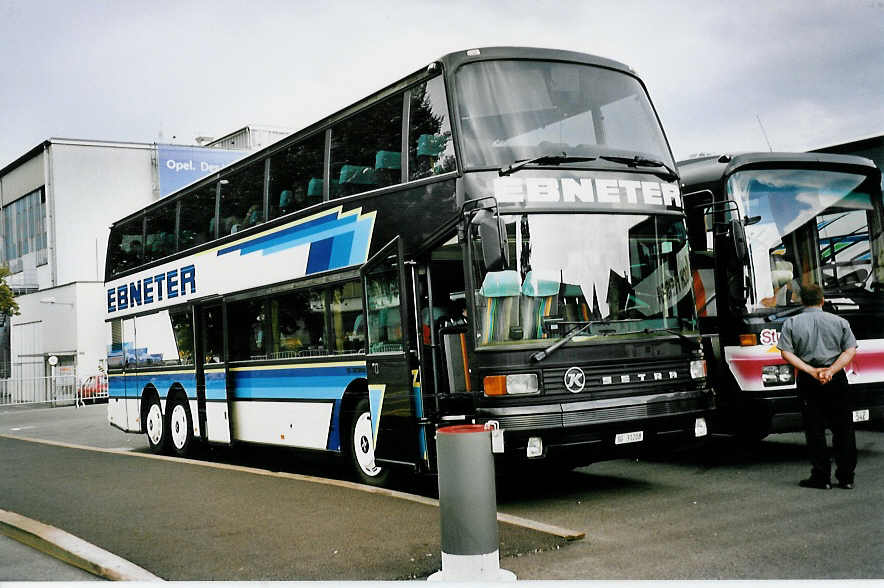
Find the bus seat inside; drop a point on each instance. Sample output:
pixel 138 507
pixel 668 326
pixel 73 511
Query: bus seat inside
pixel 540 299
pixel 356 178
pixel 498 303
pixel 388 160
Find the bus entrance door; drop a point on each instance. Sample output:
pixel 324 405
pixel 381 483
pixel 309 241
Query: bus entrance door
pixel 391 361
pixel 211 374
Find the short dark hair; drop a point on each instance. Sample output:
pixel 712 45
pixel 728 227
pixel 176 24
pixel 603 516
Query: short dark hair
pixel 811 295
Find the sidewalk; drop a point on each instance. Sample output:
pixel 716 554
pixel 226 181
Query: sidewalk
pixel 184 520
pixel 20 563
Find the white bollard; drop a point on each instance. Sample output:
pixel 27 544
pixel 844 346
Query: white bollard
pixel 468 506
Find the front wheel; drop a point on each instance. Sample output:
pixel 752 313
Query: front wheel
pixel 361 448
pixel 180 428
pixel 155 426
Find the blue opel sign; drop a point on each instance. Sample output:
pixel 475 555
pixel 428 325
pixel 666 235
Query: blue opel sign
pixel 181 165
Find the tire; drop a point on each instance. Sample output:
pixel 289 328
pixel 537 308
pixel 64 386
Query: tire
pixel 155 426
pixel 180 427
pixel 361 448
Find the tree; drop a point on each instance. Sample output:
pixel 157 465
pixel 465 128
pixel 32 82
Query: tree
pixel 8 305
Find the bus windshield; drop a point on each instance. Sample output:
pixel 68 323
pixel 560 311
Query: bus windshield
pixel 624 273
pixel 816 226
pixel 517 110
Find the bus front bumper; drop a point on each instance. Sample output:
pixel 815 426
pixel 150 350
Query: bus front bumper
pixel 586 431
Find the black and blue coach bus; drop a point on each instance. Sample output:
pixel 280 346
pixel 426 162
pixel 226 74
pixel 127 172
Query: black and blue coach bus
pixel 496 238
pixel 761 226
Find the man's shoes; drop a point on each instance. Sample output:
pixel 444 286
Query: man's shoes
pixel 845 485
pixel 814 483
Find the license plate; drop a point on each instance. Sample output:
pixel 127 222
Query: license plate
pixel 860 415
pixel 633 437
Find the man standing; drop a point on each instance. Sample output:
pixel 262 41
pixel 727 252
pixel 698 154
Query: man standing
pixel 820 345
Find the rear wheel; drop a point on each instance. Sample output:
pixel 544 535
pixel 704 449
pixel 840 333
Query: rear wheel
pixel 155 426
pixel 361 448
pixel 180 428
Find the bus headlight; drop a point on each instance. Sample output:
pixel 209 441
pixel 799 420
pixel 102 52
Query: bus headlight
pixel 698 368
pixel 512 384
pixel 777 375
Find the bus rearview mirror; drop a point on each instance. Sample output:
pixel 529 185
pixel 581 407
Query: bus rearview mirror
pixel 491 234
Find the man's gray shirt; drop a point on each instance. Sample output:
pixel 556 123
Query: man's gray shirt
pixel 817 337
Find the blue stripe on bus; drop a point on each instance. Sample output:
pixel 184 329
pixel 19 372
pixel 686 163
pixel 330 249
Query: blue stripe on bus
pixel 334 432
pixel 320 254
pixel 291 236
pixel 342 246
pixel 292 384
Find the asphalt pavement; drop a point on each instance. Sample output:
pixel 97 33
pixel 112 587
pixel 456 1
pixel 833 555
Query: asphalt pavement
pixel 184 520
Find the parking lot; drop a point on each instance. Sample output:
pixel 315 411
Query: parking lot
pixel 725 512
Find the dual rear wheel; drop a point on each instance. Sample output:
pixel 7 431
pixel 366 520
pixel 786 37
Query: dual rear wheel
pixel 171 432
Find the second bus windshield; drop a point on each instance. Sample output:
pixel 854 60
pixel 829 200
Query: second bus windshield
pixel 815 226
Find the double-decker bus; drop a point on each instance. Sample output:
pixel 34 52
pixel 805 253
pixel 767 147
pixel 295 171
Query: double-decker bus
pixel 761 226
pixel 497 238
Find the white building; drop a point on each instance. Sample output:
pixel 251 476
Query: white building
pixel 57 202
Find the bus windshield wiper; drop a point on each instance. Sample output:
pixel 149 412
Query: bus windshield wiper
pixel 548 159
pixel 637 160
pixel 543 354
pixel 684 338
pixel 783 314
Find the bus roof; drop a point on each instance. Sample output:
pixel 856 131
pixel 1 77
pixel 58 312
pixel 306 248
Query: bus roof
pixel 452 61
pixel 711 169
pixel 449 61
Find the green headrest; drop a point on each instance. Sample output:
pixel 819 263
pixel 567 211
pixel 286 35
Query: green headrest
pixel 572 290
pixel 357 174
pixel 539 287
pixel 388 160
pixel 431 145
pixel 499 284
pixel 314 187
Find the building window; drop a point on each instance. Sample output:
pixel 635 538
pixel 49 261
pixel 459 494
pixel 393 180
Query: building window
pixel 24 230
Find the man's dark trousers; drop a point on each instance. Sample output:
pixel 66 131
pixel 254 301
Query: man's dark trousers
pixel 829 406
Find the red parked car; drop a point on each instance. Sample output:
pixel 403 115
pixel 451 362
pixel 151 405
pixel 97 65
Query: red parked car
pixel 93 387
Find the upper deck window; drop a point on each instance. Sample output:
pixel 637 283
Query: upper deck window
pixel 159 238
pixel 430 147
pixel 126 246
pixel 366 150
pixel 197 223
pixel 296 176
pixel 515 110
pixel 242 199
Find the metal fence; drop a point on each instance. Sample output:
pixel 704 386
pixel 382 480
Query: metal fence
pixel 56 390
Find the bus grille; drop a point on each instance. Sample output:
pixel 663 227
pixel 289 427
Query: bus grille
pixel 635 377
pixel 631 412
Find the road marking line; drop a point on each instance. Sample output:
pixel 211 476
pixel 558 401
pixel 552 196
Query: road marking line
pixel 561 532
pixel 71 549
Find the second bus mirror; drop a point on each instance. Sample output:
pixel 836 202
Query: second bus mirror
pixel 738 240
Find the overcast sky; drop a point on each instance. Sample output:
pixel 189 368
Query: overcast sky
pixel 149 70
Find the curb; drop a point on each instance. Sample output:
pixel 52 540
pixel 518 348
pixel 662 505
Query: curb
pixel 71 549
